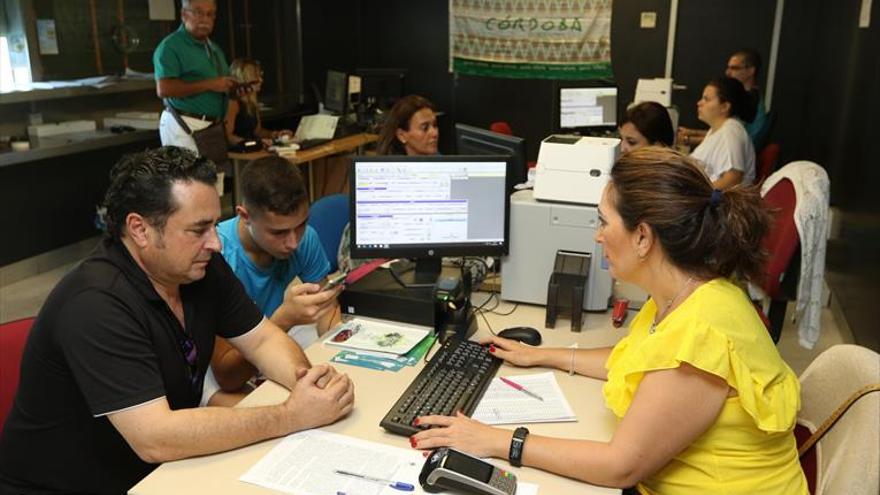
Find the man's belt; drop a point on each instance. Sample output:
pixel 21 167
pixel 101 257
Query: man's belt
pixel 206 118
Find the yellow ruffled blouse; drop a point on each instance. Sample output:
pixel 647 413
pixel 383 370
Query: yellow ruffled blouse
pixel 751 448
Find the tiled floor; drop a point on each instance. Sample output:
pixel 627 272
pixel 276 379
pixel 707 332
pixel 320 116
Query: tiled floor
pixel 24 298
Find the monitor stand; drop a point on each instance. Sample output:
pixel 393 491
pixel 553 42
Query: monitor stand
pixel 427 270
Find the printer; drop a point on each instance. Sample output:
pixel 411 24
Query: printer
pixel 574 169
pixel 537 231
pixel 658 89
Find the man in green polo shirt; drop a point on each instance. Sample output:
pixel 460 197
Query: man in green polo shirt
pixel 191 75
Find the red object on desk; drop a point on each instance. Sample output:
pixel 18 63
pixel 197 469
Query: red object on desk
pixel 618 316
pixel 362 271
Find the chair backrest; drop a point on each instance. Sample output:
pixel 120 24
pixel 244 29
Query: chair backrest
pixel 782 240
pixel 501 127
pixel 13 336
pixel 329 216
pixel 848 454
pixel 767 159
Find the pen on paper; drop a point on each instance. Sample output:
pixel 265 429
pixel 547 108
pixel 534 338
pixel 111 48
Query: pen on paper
pixel 522 389
pixel 397 485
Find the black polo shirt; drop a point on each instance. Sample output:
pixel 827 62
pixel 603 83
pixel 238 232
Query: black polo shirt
pixel 105 341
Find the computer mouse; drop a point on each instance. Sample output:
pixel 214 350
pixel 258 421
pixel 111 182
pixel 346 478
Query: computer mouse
pixel 526 335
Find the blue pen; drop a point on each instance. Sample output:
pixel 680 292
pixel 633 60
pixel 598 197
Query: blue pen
pixel 397 485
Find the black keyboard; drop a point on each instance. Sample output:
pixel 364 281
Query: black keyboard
pixel 454 380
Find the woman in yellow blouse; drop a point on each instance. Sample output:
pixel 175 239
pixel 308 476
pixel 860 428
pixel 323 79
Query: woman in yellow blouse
pixel 705 403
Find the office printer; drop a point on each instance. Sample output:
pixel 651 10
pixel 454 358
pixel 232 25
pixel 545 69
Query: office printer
pixel 574 169
pixel 537 230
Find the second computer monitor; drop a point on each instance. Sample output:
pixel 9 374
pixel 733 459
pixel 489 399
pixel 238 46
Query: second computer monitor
pixel 470 140
pixel 427 207
pixel 336 92
pixel 586 108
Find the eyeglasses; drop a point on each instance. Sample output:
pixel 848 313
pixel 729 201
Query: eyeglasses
pixel 202 14
pixel 191 355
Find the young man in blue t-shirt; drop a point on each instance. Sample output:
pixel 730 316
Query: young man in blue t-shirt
pixel 268 245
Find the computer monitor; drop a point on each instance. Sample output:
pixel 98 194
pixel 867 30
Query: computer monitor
pixel 382 86
pixel 336 92
pixel 470 140
pixel 427 207
pixel 586 108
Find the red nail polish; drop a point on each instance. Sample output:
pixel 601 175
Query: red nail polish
pixel 413 442
pixel 492 348
pixel 416 422
pixel 426 453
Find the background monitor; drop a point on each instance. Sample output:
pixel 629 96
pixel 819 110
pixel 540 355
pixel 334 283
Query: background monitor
pixel 427 207
pixel 336 92
pixel 382 85
pixel 470 140
pixel 586 108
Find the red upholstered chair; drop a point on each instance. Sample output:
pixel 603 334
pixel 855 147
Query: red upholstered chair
pixel 767 159
pixel 501 127
pixel 781 243
pixel 13 336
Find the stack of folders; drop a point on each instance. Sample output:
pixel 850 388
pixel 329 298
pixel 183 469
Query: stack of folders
pixel 524 399
pixel 380 344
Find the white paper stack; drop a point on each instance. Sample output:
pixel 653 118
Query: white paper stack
pixel 503 404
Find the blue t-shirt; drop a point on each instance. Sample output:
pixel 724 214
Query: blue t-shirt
pixel 266 285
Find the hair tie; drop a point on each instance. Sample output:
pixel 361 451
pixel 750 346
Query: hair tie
pixel 715 198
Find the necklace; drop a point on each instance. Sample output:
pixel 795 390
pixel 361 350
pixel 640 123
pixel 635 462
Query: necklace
pixel 657 317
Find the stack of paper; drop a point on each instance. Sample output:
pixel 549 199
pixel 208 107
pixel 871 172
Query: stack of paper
pixel 379 344
pixel 504 404
pixel 305 463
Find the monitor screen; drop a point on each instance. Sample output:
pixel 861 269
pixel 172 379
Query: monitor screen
pixel 587 107
pixel 470 140
pixel 382 86
pixel 427 207
pixel 336 92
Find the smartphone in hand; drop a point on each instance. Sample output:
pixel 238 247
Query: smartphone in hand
pixel 333 282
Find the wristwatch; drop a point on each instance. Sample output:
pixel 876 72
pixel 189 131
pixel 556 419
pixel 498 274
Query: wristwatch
pixel 516 446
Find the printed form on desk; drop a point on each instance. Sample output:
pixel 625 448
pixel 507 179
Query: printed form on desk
pixel 503 404
pixel 304 464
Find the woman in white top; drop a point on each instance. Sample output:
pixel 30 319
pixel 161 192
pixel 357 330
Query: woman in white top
pixel 727 152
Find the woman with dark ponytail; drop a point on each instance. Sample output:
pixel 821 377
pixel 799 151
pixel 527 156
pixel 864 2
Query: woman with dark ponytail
pixel 727 153
pixel 706 404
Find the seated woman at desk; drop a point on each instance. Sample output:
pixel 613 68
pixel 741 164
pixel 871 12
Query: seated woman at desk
pixel 646 124
pixel 726 152
pixel 705 403
pixel 243 120
pixel 410 128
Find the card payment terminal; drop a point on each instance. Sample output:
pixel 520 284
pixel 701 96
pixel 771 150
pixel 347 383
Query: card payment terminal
pixel 448 469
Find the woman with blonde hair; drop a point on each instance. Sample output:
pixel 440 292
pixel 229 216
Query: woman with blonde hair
pixel 243 120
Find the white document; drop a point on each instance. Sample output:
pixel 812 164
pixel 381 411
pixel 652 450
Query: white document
pixel 316 127
pixel 503 404
pixel 47 37
pixel 377 336
pixel 304 463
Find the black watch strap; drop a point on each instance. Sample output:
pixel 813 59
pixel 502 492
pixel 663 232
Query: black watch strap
pixel 516 446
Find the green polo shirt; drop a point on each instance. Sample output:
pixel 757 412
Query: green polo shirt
pixel 180 56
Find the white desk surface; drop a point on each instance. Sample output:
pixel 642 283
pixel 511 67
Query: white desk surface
pixel 376 391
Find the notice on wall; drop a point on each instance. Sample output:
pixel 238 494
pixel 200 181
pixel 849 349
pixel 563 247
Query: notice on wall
pixel 47 36
pixel 162 10
pixel 865 14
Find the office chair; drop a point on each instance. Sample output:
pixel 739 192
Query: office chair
pixel 846 459
pixel 501 127
pixel 329 216
pixel 782 242
pixel 767 159
pixel 13 336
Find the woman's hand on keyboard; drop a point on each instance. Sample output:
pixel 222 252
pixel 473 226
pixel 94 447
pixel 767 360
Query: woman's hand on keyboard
pixel 513 352
pixel 462 433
